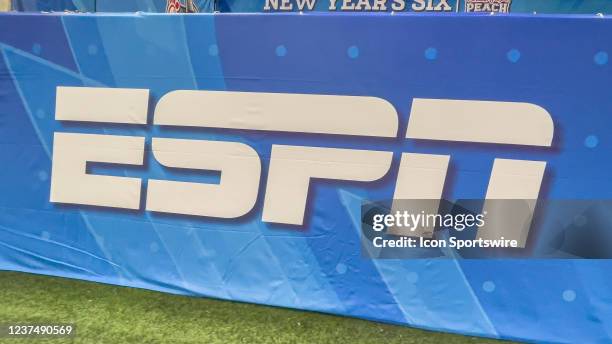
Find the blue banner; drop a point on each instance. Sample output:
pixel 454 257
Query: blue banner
pixel 230 156
pixel 420 6
pixel 435 6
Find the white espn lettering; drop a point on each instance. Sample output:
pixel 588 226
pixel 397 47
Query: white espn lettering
pixel 70 182
pixel 297 113
pixel 421 176
pixel 233 197
pixel 292 168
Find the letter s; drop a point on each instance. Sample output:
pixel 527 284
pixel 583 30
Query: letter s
pixel 233 197
pixel 399 5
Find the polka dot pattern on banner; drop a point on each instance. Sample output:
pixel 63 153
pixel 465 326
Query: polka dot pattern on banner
pixel 213 50
pixel 591 141
pixel 154 247
pixel 513 55
pixel 601 58
pixel 43 176
pixel 412 277
pixel 569 295
pixel 488 286
pixel 353 52
pixel 92 49
pixel 281 51
pixel 36 48
pixel 431 53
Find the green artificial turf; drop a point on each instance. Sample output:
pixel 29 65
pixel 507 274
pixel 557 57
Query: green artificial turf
pixel 110 314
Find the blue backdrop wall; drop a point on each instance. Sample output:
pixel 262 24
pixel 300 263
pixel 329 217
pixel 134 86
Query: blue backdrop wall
pixel 558 63
pixel 54 5
pixel 515 6
pixel 102 5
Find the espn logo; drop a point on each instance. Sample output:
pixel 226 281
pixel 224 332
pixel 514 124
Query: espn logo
pixel 420 176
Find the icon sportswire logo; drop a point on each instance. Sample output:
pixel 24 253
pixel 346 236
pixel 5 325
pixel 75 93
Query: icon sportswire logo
pixel 291 168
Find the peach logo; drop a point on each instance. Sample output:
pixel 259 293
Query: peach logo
pixel 499 6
